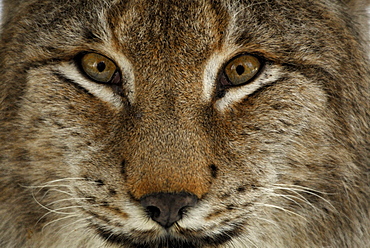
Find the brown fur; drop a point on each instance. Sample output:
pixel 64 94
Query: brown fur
pixel 286 165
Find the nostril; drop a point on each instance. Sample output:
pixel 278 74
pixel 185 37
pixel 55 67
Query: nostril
pixel 167 208
pixel 153 211
pixel 182 211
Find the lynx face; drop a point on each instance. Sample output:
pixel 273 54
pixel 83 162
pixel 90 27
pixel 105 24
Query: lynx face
pixel 183 124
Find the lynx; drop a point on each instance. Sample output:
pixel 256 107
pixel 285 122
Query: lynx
pixel 180 124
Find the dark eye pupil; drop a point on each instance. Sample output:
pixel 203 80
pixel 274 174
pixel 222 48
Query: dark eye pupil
pixel 100 66
pixel 240 69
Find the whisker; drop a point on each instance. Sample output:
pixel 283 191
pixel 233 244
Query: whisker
pixel 45 207
pixel 265 220
pixel 60 191
pixel 57 211
pixel 56 220
pixel 81 225
pixel 295 198
pixel 296 189
pixel 65 208
pixel 280 208
pixel 67 199
pixel 303 188
pixel 53 190
pixel 52 183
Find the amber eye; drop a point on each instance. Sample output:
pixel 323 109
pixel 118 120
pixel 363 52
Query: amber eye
pixel 99 67
pixel 241 69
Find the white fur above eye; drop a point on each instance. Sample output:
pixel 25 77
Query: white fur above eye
pixel 103 92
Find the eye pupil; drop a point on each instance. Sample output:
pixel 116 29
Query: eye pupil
pixel 240 69
pixel 101 66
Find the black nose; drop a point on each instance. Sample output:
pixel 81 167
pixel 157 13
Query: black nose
pixel 167 208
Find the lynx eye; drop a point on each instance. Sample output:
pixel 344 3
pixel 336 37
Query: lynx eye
pixel 99 68
pixel 241 69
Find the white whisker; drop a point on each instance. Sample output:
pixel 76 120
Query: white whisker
pixel 44 207
pixel 265 220
pixel 66 200
pixel 281 208
pixel 297 189
pixel 56 220
pixel 75 222
pixel 51 183
pixel 295 199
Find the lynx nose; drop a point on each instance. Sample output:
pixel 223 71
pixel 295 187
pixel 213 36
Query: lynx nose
pixel 167 208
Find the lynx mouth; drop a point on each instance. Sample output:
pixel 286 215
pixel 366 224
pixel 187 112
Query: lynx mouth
pixel 143 240
pixel 148 239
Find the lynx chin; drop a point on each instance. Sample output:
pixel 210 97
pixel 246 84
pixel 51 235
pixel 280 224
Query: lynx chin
pixel 184 124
